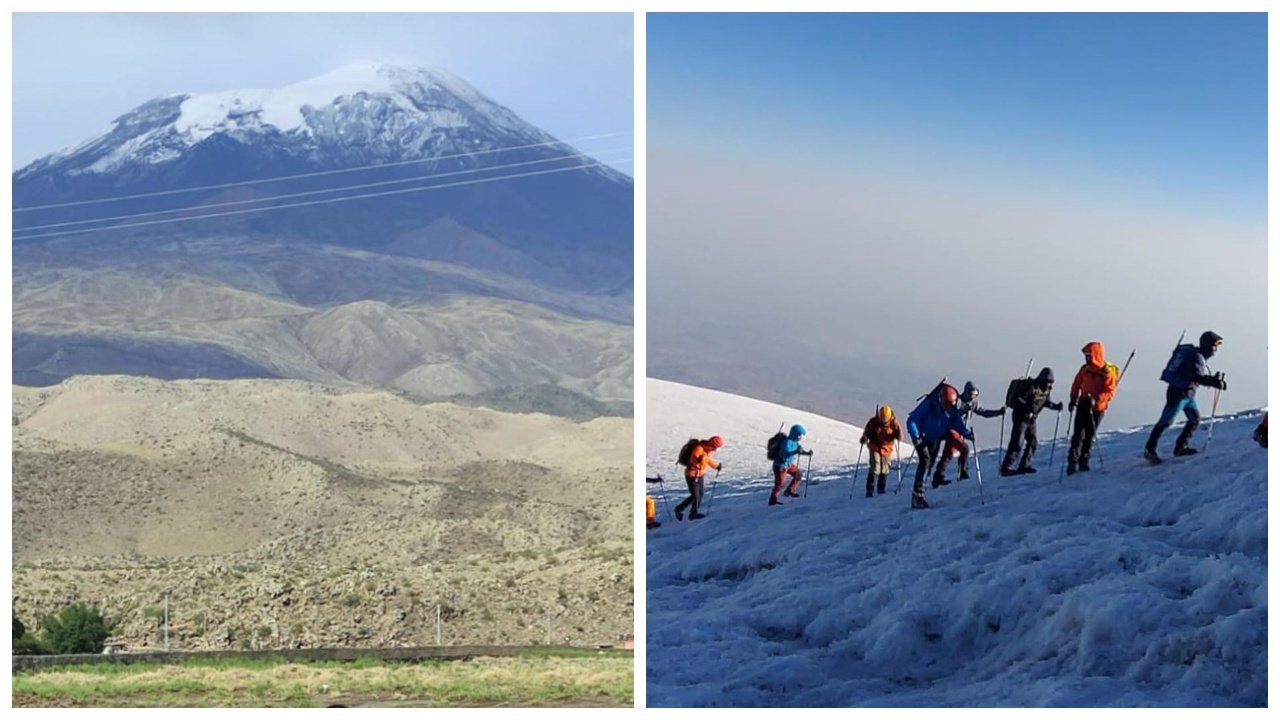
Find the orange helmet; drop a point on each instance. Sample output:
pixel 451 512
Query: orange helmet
pixel 716 441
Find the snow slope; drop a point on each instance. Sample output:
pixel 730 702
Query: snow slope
pixel 1131 585
pixel 678 412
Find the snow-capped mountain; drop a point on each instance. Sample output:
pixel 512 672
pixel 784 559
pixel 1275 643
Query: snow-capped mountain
pixel 1130 585
pixel 358 114
pixel 387 129
pixel 380 225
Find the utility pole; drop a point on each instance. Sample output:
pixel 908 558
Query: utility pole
pixel 437 623
pixel 166 622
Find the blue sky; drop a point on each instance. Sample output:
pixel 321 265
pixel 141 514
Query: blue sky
pixel 955 193
pixel 73 73
pixel 1169 107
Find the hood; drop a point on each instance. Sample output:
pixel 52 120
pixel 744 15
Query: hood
pixel 968 388
pixel 796 432
pixel 1095 352
pixel 1207 339
pixel 1045 377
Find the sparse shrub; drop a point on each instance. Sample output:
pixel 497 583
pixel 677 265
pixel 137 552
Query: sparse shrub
pixel 78 628
pixel 351 600
pixel 153 613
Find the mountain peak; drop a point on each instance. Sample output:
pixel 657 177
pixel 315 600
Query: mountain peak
pixel 380 111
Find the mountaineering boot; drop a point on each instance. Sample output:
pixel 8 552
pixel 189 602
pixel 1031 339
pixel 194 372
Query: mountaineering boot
pixel 964 471
pixel 679 513
pixel 696 516
pixel 1006 465
pixel 1182 446
pixel 871 484
pixel 1151 456
pixel 870 492
pixel 773 500
pixel 1153 439
pixel 791 494
pixel 939 480
pixel 880 483
pixel 918 503
pixel 1084 464
pixel 652 524
pixel 1024 467
pixel 1071 468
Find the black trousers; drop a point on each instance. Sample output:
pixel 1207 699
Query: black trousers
pixel 1022 437
pixel 926 453
pixel 695 494
pixel 1083 432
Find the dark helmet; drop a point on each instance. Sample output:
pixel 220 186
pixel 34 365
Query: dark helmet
pixel 948 396
pixel 1209 342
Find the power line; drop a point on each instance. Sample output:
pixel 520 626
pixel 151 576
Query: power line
pixel 340 188
pixel 323 202
pixel 319 173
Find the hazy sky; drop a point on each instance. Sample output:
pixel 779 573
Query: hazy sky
pixel 569 74
pixel 956 193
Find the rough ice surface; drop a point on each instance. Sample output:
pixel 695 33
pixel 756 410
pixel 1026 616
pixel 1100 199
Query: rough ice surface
pixel 1130 585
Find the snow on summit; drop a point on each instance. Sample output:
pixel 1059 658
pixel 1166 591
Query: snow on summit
pixel 282 108
pixel 1130 585
pixel 384 111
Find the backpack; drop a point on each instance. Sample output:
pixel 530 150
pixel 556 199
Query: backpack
pixel 1112 370
pixel 686 452
pixel 1017 388
pixel 1173 370
pixel 773 448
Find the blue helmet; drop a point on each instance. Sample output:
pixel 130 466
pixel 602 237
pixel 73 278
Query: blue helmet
pixel 796 431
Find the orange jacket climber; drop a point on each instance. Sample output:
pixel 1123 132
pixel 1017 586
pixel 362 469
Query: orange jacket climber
pixel 700 459
pixel 1097 378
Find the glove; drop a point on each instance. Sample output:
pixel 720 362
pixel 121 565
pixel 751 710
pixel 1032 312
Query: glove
pixel 719 467
pixel 1057 409
pixel 1071 407
pixel 862 441
pixel 1222 382
pixel 807 452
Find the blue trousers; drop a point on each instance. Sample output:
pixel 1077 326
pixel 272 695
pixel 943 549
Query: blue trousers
pixel 1177 401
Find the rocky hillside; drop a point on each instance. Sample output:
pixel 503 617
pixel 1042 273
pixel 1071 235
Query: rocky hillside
pixel 283 513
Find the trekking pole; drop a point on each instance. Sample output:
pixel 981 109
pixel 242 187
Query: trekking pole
pixel 707 505
pixel 897 450
pixel 915 458
pixel 807 471
pixel 1054 446
pixel 1212 418
pixel 977 465
pixel 854 485
pixel 662 493
pixel 1070 428
pixel 1001 445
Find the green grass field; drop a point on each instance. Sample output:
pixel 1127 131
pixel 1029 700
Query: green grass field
pixel 541 679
